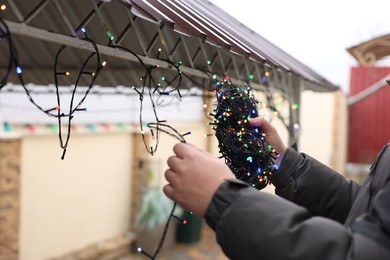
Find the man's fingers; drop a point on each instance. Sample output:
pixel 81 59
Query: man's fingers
pixel 168 191
pixel 181 149
pixel 171 177
pixel 200 150
pixel 257 121
pixel 263 123
pixel 173 162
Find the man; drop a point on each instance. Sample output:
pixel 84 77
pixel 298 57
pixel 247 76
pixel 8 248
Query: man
pixel 321 215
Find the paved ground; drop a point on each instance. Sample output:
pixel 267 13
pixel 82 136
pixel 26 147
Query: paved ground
pixel 205 249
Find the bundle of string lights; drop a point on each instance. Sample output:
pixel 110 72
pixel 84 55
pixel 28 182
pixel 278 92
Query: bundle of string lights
pixel 244 147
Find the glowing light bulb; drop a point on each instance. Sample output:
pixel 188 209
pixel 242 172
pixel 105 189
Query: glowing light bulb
pixel 184 221
pixel 104 63
pixel 139 249
pixel 18 70
pixel 3 7
pixel 294 107
pixel 266 73
pixel 251 76
pixel 209 62
pixel 110 35
pixel 83 30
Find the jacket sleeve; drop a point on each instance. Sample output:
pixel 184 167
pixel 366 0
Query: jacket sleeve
pixel 311 184
pixel 251 224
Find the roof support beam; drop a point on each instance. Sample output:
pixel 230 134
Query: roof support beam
pixel 206 58
pixel 123 34
pixel 188 54
pixel 40 34
pixel 132 22
pixel 15 10
pixel 152 43
pixel 88 18
pixel 35 11
pixel 64 17
pixel 235 66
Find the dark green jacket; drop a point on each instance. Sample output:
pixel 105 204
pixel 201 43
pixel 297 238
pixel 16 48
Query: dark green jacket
pixel 330 218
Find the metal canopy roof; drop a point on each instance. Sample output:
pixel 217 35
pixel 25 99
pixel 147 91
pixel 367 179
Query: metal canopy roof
pixel 205 39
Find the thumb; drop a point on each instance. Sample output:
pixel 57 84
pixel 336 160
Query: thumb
pixel 266 127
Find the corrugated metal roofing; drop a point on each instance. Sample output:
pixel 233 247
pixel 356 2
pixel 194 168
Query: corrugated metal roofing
pixel 203 19
pixel 192 31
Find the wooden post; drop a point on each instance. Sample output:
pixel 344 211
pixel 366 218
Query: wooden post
pixel 208 106
pixel 338 132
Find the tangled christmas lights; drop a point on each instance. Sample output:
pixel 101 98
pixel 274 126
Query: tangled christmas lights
pixel 244 147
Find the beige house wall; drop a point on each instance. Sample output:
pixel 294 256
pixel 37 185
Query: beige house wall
pixel 69 204
pixel 324 128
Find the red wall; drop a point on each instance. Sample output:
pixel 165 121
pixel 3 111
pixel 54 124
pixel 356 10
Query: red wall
pixel 369 119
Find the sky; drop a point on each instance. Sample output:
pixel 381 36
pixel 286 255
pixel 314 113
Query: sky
pixel 317 33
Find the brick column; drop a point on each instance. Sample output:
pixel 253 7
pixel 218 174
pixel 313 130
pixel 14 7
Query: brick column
pixel 9 198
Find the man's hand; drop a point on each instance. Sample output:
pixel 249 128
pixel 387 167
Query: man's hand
pixel 271 136
pixel 193 177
